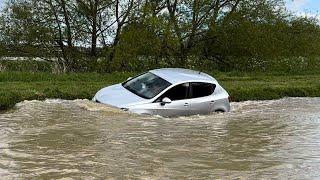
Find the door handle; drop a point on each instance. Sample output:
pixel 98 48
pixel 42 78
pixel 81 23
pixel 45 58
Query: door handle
pixel 186 104
pixel 212 102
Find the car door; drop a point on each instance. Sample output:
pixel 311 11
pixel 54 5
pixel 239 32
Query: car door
pixel 180 104
pixel 201 98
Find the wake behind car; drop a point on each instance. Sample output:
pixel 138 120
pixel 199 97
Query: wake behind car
pixel 167 92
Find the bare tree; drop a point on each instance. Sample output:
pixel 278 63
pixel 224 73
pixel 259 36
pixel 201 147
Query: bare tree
pixel 95 13
pixel 191 18
pixel 67 22
pixel 122 13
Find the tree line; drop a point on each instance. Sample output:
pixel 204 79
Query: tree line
pixel 109 35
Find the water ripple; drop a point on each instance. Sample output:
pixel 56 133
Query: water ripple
pixel 60 139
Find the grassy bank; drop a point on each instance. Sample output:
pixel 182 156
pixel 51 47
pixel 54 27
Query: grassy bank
pixel 19 86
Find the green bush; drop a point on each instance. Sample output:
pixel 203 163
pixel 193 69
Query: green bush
pixel 25 65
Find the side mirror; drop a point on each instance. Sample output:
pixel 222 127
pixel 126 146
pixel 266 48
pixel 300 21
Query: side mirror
pixel 165 101
pixel 129 78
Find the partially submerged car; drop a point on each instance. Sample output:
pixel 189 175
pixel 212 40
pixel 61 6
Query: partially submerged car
pixel 167 92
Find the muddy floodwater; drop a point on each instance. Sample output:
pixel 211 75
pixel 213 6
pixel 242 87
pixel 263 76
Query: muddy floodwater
pixel 83 140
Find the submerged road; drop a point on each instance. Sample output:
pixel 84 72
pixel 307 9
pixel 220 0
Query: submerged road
pixel 81 139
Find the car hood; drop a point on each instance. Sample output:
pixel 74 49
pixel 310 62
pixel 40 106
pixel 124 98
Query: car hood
pixel 118 96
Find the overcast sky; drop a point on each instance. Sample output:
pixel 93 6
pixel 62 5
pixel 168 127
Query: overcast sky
pixel 297 6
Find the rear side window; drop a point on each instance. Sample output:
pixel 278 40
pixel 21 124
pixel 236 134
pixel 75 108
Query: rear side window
pixel 178 92
pixel 202 89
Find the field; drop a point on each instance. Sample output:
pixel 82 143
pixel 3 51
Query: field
pixel 19 86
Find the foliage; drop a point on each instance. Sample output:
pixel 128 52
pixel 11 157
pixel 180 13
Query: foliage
pixel 28 65
pixel 130 35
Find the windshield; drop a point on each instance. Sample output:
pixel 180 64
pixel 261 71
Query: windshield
pixel 146 85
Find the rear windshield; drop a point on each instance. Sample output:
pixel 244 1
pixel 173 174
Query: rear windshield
pixel 147 85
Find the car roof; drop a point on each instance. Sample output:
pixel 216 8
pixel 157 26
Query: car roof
pixel 179 75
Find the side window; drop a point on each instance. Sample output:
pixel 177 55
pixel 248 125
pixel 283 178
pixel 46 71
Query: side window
pixel 178 92
pixel 202 89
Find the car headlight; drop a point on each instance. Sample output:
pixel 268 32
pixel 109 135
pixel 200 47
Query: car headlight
pixel 95 99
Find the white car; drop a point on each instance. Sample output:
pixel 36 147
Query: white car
pixel 167 92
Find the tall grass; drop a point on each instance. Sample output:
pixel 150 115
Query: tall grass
pixel 19 86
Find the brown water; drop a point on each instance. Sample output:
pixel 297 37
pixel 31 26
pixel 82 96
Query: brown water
pixel 80 139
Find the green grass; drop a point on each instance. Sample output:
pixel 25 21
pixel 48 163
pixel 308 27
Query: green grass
pixel 19 86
